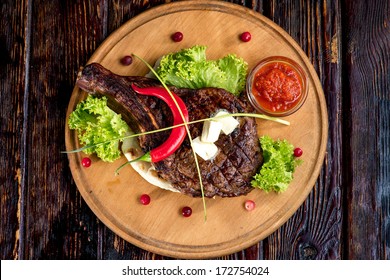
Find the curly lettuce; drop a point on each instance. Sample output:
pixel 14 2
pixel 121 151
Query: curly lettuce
pixel 95 123
pixel 279 165
pixel 189 68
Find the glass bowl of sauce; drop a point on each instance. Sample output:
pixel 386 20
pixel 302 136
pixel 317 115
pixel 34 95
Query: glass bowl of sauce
pixel 277 86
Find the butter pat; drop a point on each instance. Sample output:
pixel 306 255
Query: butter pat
pixel 229 124
pixel 204 149
pixel 211 131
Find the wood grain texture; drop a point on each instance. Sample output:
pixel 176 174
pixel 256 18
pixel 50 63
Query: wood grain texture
pixel 112 199
pixel 367 44
pixel 12 89
pixel 57 223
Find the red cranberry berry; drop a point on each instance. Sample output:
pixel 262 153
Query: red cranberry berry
pixel 126 60
pixel 186 211
pixel 86 162
pixel 245 37
pixel 177 36
pixel 298 152
pixel 144 199
pixel 249 205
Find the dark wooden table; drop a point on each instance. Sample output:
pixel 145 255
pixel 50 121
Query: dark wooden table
pixel 43 44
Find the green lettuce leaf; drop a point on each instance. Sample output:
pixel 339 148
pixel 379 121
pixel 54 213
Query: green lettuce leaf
pixel 189 68
pixel 279 165
pixel 94 123
pixel 235 69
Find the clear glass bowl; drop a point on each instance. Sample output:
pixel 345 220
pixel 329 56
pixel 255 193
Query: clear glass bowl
pixel 254 94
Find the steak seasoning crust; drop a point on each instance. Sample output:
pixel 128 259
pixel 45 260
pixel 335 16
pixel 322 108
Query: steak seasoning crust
pixel 239 155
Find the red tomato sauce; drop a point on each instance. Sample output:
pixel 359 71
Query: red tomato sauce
pixel 277 87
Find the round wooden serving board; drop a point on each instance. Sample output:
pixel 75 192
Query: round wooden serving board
pixel 159 227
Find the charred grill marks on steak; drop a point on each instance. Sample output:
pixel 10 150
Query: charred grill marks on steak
pixel 239 157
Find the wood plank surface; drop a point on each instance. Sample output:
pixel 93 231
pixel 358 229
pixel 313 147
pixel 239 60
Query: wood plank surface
pixel 12 90
pixel 43 43
pixel 57 224
pixel 367 62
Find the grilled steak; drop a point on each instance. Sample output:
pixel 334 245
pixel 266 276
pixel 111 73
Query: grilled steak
pixel 239 157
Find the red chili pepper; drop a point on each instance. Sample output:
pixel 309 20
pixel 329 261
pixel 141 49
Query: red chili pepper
pixel 178 134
